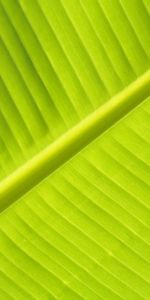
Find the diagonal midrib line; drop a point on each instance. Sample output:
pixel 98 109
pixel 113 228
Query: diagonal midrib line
pixel 69 144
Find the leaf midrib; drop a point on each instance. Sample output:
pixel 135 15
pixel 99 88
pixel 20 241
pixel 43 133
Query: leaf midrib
pixel 69 144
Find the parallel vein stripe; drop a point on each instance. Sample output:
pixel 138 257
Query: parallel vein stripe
pixel 51 267
pixel 11 279
pixel 65 257
pixel 77 228
pixel 92 254
pixel 55 51
pixel 72 255
pixel 56 83
pixel 118 206
pixel 119 44
pixel 53 156
pixel 100 223
pixel 21 56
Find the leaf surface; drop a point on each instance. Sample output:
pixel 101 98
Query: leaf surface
pixel 75 150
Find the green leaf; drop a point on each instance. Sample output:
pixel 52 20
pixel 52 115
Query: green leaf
pixel 75 150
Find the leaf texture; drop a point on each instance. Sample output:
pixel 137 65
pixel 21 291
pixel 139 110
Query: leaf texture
pixel 75 150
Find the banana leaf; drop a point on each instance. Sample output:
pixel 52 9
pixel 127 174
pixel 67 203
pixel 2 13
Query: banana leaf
pixel 75 150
